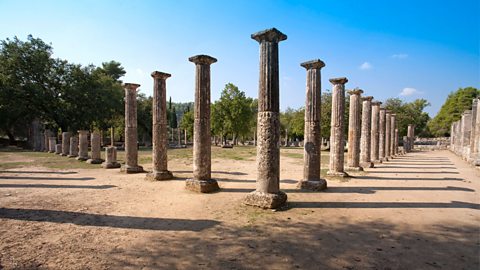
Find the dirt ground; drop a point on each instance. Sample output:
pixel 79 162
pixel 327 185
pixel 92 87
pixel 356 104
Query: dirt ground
pixel 418 211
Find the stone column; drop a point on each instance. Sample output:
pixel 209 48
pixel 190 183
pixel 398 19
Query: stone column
pixel 409 138
pixel 58 149
pixel 95 144
pixel 82 145
pixel 458 135
pixel 392 134
pixel 470 157
pixel 66 143
pixel 365 140
pixel 476 148
pixel 381 134
pixel 267 193
pixel 131 135
pixel 46 135
pixel 396 142
pixel 202 156
pixel 336 166
pixel 452 137
pixel 405 144
pixel 388 136
pixel 465 133
pixel 160 133
pixel 52 141
pixel 312 137
pixel 375 133
pixel 354 127
pixel 110 158
pixel 73 151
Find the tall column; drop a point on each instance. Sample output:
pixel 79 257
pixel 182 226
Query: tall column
pixel 471 155
pixel 313 138
pixel 388 136
pixel 202 156
pixel 66 143
pixel 365 140
pixel 476 148
pixel 354 127
pixel 73 151
pixel 374 134
pixel 82 145
pixel 95 144
pixel 396 141
pixel 465 133
pixel 406 144
pixel 337 148
pixel 458 135
pixel 131 135
pixel 267 193
pixel 452 136
pixel 409 138
pixel 46 135
pixel 392 134
pixel 160 133
pixel 381 134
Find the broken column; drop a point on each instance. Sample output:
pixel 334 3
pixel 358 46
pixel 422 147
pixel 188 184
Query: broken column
pixel 52 141
pixel 336 166
pixel 95 144
pixel 392 134
pixel 73 151
pixel 312 142
pixel 66 143
pixel 375 133
pixel 365 139
pixel 381 134
pixel 58 149
pixel 82 145
pixel 202 157
pixel 354 127
pixel 131 135
pixel 160 133
pixel 111 158
pixel 267 193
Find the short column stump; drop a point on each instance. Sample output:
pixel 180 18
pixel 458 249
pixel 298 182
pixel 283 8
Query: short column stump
pixel 266 200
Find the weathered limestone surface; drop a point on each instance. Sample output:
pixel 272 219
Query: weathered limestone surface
pixel 465 134
pixel 131 135
pixel 66 143
pixel 406 144
pixel 202 156
pixel 267 193
pixel 388 136
pixel 95 144
pixel 396 142
pixel 392 134
pixel 354 129
pixel 381 134
pixel 374 134
pixel 46 135
pixel 52 141
pixel 472 154
pixel 83 145
pixel 365 139
pixel 73 152
pixel 337 137
pixel 35 136
pixel 58 149
pixel 111 158
pixel 458 143
pixel 160 132
pixel 476 148
pixel 312 142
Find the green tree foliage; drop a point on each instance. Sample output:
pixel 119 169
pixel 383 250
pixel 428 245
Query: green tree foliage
pixel 292 120
pixel 187 122
pixel 144 116
pixel 451 111
pixel 409 113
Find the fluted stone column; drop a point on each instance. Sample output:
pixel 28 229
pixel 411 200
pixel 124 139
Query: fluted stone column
pixel 354 129
pixel 83 145
pixel 396 142
pixel 58 149
pixel 52 141
pixel 202 156
pixel 313 138
pixel 388 136
pixel 476 148
pixel 111 158
pixel 392 134
pixel 375 133
pixel 465 133
pixel 95 144
pixel 470 157
pixel 66 143
pixel 365 139
pixel 131 135
pixel 73 152
pixel 458 135
pixel 407 143
pixel 160 132
pixel 337 137
pixel 381 134
pixel 452 137
pixel 267 193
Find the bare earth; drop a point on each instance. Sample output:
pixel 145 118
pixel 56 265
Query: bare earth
pixel 418 211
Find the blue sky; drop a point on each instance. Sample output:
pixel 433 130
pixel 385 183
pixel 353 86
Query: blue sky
pixel 406 49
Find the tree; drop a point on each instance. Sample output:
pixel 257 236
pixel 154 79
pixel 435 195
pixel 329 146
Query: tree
pixel 409 113
pixel 187 122
pixel 113 69
pixel 451 111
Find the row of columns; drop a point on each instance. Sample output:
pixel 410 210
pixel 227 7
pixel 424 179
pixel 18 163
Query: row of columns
pixel 465 135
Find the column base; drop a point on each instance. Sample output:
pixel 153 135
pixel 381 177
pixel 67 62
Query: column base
pixel 72 156
pixel 202 186
pixel 377 161
pixel 313 185
pixel 337 174
pixel 354 169
pixel 159 175
pixel 82 158
pixel 95 161
pixel 51 152
pixel 367 165
pixel 111 165
pixel 266 200
pixel 131 169
pixel 64 155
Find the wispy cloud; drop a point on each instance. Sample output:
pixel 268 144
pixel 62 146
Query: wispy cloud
pixel 366 66
pixel 400 56
pixel 409 91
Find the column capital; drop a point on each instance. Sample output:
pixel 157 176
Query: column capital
pixel 131 86
pixel 367 98
pixel 376 103
pixel 271 35
pixel 340 80
pixel 202 59
pixel 160 75
pixel 313 64
pixel 355 91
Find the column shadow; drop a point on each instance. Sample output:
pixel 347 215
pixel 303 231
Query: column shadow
pixel 453 204
pixel 45 178
pixel 39 172
pixel 55 186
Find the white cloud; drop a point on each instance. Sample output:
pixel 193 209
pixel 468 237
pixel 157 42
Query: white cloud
pixel 400 56
pixel 409 91
pixel 366 66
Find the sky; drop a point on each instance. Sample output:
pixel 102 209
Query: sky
pixel 405 49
